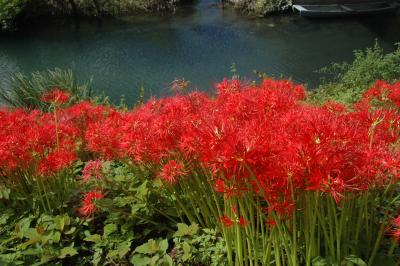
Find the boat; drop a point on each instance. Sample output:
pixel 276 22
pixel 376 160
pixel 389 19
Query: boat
pixel 340 10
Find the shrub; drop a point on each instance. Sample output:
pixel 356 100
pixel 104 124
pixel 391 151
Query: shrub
pixel 261 7
pixel 9 11
pixel 30 239
pixel 26 91
pixel 12 10
pixel 346 82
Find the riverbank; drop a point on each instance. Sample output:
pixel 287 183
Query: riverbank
pixel 16 12
pixel 261 8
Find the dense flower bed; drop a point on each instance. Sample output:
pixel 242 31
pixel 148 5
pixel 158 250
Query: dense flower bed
pixel 273 164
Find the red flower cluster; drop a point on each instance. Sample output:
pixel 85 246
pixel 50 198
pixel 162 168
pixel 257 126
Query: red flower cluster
pixel 383 93
pixel 394 229
pixel 93 169
pixel 88 205
pixel 172 171
pixel 260 138
pixel 263 139
pixel 228 222
pixel 35 143
pixel 56 96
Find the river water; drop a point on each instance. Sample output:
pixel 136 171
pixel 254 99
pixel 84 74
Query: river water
pixel 198 43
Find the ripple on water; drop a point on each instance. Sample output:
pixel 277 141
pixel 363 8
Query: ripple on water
pixel 199 44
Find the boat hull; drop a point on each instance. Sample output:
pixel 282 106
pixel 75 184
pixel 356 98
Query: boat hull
pixel 342 10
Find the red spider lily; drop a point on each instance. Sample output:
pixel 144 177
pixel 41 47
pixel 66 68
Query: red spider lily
pixel 172 171
pixel 56 161
pixel 394 229
pixel 243 222
pixel 226 221
pixel 384 93
pixel 271 222
pixel 254 139
pixel 229 86
pixel 56 96
pixel 93 169
pixel 88 204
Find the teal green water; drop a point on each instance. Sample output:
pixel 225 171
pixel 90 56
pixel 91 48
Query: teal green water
pixel 198 43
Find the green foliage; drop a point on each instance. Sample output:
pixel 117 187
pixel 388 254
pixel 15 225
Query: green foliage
pixel 134 200
pixel 92 8
pixel 26 192
pixel 152 253
pixel 134 211
pixel 346 82
pixel 198 247
pixel 25 91
pixel 261 7
pixel 350 260
pixel 36 240
pixel 113 245
pixel 88 7
pixel 9 11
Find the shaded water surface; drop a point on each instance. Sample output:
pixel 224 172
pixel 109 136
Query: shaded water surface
pixel 198 43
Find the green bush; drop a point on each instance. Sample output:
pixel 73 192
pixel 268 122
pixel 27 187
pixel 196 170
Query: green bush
pixel 346 82
pixel 12 10
pixel 98 7
pixel 261 7
pixel 39 239
pixel 9 11
pixel 25 91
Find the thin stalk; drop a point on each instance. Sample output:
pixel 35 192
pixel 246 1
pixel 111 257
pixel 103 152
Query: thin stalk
pixel 377 242
pixel 56 126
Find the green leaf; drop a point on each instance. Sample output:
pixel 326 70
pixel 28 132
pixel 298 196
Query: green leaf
pixel 4 218
pixel 152 247
pixel 119 178
pixel 56 237
pixel 97 256
pixel 23 226
pixel 96 238
pixel 70 231
pixel 155 260
pixel 140 260
pixel 185 230
pixel 142 191
pixel 61 222
pixel 383 259
pixel 158 183
pixel 11 259
pixel 168 260
pixel 109 229
pixel 5 193
pixel 163 245
pixel 319 261
pixel 355 260
pixel 187 254
pixel 67 252
pixel 124 248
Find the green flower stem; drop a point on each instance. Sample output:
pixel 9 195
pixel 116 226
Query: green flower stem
pixel 180 205
pixel 392 248
pixel 41 196
pixel 56 126
pixel 378 241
